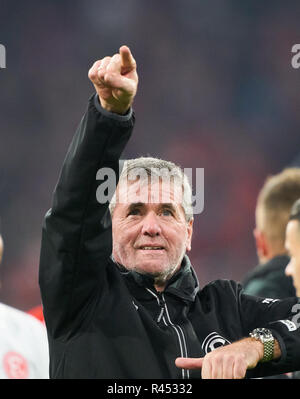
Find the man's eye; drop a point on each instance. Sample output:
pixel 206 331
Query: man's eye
pixel 134 212
pixel 166 212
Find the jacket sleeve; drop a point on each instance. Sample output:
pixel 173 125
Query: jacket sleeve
pixel 282 317
pixel 76 235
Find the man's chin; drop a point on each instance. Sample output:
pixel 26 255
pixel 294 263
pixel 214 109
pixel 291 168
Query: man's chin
pixel 154 270
pixel 161 272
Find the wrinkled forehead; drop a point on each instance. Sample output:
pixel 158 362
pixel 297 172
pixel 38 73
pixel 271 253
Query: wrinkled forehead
pixel 149 192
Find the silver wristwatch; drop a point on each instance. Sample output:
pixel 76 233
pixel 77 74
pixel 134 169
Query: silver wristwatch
pixel 266 338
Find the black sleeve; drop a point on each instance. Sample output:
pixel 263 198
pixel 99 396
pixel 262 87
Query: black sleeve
pixel 282 317
pixel 76 236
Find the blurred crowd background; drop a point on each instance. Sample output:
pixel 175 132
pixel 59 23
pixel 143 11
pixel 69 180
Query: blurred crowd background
pixel 217 91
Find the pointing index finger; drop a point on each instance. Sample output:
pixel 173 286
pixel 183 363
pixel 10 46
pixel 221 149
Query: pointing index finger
pixel 127 59
pixel 189 363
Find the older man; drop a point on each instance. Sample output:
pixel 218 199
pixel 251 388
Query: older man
pixel 121 299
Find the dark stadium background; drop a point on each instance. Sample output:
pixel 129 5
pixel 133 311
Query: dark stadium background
pixel 217 91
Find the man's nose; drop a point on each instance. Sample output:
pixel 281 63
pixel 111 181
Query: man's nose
pixel 151 225
pixel 289 269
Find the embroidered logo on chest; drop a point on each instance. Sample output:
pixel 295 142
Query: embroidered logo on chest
pixel 213 341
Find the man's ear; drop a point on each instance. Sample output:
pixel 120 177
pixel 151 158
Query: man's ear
pixel 262 248
pixel 190 234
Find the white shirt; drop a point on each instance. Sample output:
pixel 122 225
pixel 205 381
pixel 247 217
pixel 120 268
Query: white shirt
pixel 23 345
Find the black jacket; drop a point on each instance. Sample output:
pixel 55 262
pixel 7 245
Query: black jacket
pixel 269 280
pixel 106 322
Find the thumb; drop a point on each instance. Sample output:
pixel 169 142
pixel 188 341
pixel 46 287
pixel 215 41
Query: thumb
pixel 189 363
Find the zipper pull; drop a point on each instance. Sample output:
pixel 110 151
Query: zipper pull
pixel 161 299
pixel 162 302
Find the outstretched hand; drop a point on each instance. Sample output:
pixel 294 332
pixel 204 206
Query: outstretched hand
pixel 115 80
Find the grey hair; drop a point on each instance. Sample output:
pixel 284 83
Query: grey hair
pixel 158 168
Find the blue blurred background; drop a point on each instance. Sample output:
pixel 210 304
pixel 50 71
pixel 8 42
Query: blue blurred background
pixel 217 91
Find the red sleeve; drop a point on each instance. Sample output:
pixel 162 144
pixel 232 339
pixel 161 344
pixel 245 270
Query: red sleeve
pixel 37 312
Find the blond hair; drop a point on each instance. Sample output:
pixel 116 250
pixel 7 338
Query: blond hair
pixel 275 201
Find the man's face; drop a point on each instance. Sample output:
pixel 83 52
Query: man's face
pixel 150 232
pixel 292 244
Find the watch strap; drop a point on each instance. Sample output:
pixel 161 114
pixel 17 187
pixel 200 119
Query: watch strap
pixel 266 338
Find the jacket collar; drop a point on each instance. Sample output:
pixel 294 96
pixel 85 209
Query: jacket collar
pixel 262 270
pixel 183 284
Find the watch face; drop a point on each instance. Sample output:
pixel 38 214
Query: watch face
pixel 262 333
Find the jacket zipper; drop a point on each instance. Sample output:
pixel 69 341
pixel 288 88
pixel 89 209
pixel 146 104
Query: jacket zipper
pixel 179 332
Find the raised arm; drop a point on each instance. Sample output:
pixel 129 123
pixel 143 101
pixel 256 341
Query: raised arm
pixel 76 237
